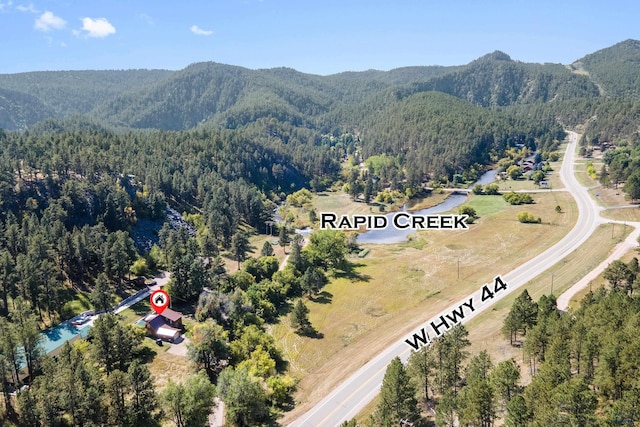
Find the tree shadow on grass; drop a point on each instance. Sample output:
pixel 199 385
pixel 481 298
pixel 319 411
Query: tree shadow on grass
pixel 310 332
pixel 323 297
pixel 348 271
pixel 283 309
pixel 141 308
pixel 147 354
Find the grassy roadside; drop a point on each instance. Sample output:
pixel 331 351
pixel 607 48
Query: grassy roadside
pixel 623 214
pixel 400 286
pixel 598 282
pixel 485 329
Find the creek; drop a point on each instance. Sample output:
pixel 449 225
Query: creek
pixel 390 234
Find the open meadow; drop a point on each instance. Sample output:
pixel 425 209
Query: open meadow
pixel 396 287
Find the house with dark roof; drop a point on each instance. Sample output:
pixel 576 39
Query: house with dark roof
pixel 166 326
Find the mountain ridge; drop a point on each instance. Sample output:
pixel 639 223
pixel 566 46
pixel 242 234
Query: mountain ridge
pixel 231 96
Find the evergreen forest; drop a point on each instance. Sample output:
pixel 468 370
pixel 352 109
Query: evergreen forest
pixel 109 175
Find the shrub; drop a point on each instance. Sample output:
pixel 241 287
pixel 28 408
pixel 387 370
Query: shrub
pixel 469 211
pixel 528 218
pixel 518 198
pixel 300 198
pixel 491 189
pixel 140 268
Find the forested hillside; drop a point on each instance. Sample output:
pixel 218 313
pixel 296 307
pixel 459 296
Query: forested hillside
pixel 59 94
pixel 232 96
pixel 92 160
pixel 19 110
pixel 436 135
pixel 497 80
pixel 614 69
pixel 72 195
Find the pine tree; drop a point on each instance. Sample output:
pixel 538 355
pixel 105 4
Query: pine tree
pixel 420 366
pixel 446 410
pixel 523 315
pixel 504 378
pixel 267 249
pixel 476 400
pixel 101 294
pixel 518 414
pixel 300 318
pixel 312 281
pixel 454 343
pixel 239 246
pixel 368 188
pixel 283 237
pixel 295 255
pixel 143 399
pixel 117 387
pixel 397 399
pixel 27 334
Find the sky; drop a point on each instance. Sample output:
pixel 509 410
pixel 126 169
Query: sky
pixel 312 36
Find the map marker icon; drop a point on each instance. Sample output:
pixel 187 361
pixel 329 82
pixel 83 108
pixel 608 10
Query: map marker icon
pixel 159 301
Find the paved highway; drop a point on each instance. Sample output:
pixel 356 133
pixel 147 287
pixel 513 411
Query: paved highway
pixel 357 391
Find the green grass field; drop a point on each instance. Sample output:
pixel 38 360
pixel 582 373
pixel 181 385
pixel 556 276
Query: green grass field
pixel 486 205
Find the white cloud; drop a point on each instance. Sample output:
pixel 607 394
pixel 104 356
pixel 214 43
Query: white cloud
pixel 98 27
pixel 48 21
pixel 199 31
pixel 31 8
pixel 5 5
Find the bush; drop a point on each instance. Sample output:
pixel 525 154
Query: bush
pixel 554 156
pixel 518 198
pixel 140 268
pixel 300 198
pixel 537 177
pixel 514 172
pixel 528 218
pixel 469 211
pixel 492 189
pixel 477 189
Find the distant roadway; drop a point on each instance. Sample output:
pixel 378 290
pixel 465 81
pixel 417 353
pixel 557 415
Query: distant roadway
pixel 350 397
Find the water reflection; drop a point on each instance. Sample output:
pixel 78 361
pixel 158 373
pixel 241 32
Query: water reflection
pixel 390 234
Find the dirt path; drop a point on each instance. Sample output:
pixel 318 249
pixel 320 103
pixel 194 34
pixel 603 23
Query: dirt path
pixel 304 241
pixel 630 243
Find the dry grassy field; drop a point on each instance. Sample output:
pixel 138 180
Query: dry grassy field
pixel 485 329
pixel 396 287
